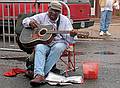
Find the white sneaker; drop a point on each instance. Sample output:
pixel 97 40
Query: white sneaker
pixel 107 33
pixel 101 33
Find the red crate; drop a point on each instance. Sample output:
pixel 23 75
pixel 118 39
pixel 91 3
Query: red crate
pixel 90 70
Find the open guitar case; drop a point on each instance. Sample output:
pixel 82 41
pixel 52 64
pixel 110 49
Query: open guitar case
pixel 19 27
pixel 18 30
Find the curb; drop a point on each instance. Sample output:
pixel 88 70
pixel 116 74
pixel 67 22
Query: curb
pixel 14 58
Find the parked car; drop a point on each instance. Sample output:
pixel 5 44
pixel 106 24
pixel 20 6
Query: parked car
pixel 80 12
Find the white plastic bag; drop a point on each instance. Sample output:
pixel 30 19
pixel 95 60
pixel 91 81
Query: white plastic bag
pixel 55 79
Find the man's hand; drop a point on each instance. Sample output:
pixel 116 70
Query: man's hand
pixel 33 24
pixel 73 33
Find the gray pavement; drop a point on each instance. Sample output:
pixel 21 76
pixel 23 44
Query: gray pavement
pixel 103 50
pixel 105 53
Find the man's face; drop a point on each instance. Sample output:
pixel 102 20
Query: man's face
pixel 53 14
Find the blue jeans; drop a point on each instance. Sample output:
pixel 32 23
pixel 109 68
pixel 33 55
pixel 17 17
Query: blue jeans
pixel 46 57
pixel 105 20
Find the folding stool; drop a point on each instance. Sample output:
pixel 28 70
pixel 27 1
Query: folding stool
pixel 71 58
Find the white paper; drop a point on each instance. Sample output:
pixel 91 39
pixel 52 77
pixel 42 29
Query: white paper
pixel 74 79
pixel 54 79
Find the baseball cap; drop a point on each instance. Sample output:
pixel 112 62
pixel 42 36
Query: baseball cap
pixel 55 5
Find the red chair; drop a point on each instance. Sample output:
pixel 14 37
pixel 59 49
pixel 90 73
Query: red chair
pixel 71 61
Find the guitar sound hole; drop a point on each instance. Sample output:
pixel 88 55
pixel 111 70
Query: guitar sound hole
pixel 42 32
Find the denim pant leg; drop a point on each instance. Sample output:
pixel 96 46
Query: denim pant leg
pixel 103 20
pixel 54 55
pixel 108 19
pixel 40 58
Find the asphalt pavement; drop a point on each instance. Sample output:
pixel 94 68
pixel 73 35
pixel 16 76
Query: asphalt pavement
pixel 102 50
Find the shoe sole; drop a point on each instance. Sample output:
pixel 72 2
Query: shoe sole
pixel 101 35
pixel 35 84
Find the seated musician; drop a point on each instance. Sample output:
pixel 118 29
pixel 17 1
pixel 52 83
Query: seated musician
pixel 46 55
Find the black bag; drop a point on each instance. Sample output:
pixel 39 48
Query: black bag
pixel 18 30
pixel 30 62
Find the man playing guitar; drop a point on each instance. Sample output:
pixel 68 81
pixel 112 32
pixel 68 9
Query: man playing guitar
pixel 46 55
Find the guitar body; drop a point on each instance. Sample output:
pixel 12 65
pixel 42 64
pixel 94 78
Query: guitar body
pixel 31 37
pixel 44 34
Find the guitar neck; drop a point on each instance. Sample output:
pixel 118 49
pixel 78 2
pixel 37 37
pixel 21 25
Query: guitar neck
pixel 58 32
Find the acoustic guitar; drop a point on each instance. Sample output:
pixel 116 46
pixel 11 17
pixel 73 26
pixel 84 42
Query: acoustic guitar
pixel 44 34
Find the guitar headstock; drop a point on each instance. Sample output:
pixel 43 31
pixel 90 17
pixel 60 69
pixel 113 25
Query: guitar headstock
pixel 83 34
pixel 80 34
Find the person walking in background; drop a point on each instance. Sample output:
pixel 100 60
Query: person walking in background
pixel 106 14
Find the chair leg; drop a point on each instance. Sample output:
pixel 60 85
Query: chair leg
pixel 71 64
